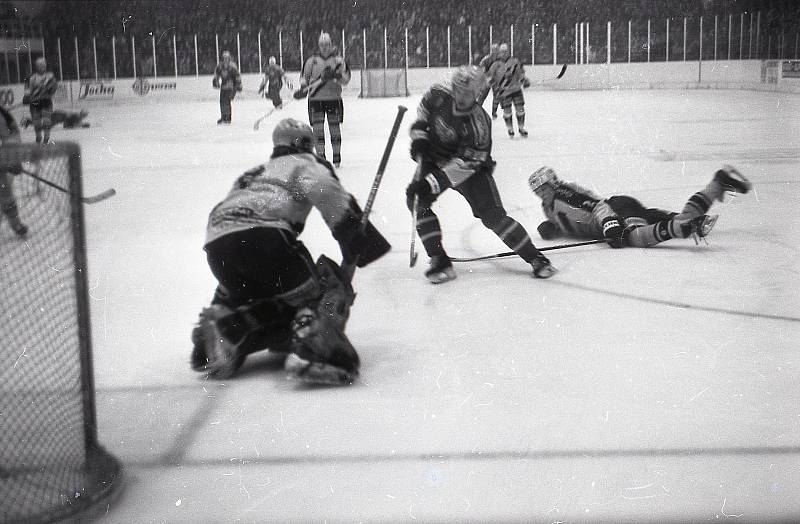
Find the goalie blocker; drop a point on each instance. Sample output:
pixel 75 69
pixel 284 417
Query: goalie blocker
pixel 270 294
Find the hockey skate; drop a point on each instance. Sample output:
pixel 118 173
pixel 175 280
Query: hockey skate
pixel 212 354
pixel 322 354
pixel 523 132
pixel 542 268
pixel 732 180
pixel 441 270
pixel 699 227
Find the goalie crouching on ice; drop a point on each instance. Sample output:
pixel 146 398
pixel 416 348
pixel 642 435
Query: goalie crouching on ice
pixel 620 220
pixel 271 294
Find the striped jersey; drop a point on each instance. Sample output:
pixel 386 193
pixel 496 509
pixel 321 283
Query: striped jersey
pixel 506 76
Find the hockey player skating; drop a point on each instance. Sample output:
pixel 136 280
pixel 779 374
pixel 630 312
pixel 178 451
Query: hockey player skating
pixel 577 212
pixel 273 82
pixel 9 134
pixel 228 80
pixel 271 294
pixel 452 142
pixel 322 79
pixel 39 91
pixel 507 77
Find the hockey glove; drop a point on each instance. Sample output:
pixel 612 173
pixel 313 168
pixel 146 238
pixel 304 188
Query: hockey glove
pixel 26 99
pixel 327 74
pixel 547 230
pixel 525 82
pixel 428 187
pixel 215 82
pixel 612 232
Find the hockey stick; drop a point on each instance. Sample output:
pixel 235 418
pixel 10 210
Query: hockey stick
pixel 263 117
pixel 412 250
pixel 349 269
pixel 108 193
pixel 548 80
pixel 512 253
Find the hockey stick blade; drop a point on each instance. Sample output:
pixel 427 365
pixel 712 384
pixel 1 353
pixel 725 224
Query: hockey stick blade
pixel 561 73
pixel 513 254
pixel 108 193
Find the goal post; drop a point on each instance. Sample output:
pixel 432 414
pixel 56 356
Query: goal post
pixel 381 83
pixel 52 466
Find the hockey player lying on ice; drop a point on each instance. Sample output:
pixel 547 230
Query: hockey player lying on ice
pixel 271 294
pixel 574 211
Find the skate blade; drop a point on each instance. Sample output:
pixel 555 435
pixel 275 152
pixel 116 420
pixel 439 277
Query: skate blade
pixel 317 373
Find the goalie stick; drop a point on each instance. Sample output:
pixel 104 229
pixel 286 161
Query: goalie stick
pixel 350 268
pixel 513 254
pixel 108 193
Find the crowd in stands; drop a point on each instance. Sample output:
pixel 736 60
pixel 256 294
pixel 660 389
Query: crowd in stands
pixel 217 23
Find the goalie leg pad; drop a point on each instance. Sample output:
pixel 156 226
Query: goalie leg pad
pixel 213 354
pixel 322 353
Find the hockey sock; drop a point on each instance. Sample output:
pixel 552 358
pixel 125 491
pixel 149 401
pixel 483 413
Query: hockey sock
pixel 509 123
pixel 430 232
pixel 336 142
pixel 495 104
pixel 650 235
pixel 521 118
pixel 319 131
pixel 514 236
pixel 699 203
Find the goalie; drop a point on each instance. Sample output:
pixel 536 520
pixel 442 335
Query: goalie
pixel 271 295
pixel 577 212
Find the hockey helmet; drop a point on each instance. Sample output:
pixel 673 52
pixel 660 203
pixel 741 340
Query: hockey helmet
pixel 325 44
pixel 543 181
pixel 295 134
pixel 467 83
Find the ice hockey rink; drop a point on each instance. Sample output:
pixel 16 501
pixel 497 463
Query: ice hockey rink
pixel 657 385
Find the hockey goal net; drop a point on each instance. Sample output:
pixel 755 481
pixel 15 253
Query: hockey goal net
pixel 378 83
pixel 51 464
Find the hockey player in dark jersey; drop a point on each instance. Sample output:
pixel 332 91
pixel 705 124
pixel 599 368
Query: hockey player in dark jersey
pixel 228 80
pixel 507 77
pixel 577 212
pixel 451 140
pixel 273 82
pixel 271 294
pixel 9 134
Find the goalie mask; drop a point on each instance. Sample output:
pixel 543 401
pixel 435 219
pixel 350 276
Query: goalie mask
pixel 294 134
pixel 467 84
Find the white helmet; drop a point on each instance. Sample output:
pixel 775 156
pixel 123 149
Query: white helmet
pixel 295 134
pixel 543 181
pixel 468 83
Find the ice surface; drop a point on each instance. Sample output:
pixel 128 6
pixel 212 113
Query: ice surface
pixel 658 384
